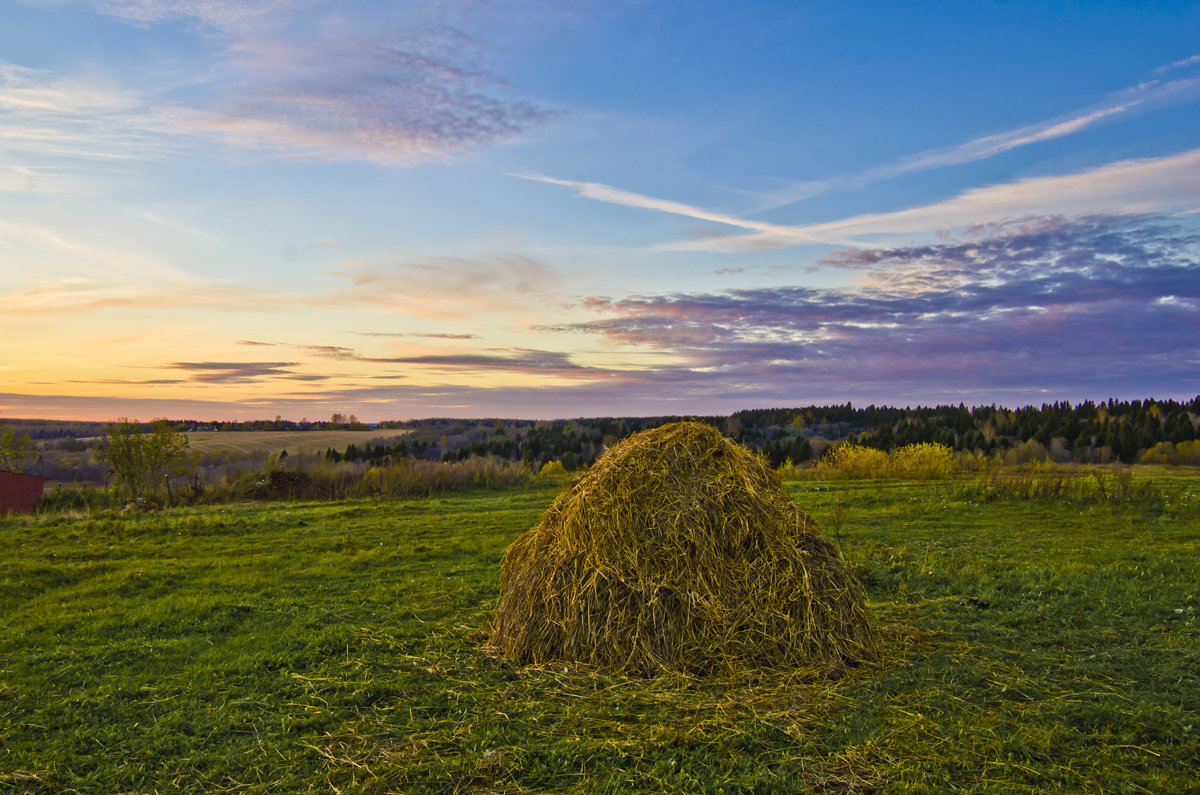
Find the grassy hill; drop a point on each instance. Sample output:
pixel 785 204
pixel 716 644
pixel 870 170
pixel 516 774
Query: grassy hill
pixel 1036 646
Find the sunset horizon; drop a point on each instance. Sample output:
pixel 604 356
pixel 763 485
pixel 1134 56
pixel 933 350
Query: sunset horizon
pixel 236 211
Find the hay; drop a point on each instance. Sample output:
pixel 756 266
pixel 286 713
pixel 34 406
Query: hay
pixel 680 551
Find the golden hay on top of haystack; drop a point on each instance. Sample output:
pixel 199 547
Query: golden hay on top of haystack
pixel 679 550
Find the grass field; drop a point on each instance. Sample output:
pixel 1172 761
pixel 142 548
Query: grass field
pixel 1036 646
pixel 273 442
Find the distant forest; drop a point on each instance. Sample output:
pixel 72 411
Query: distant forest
pixel 1152 431
pixel 1088 433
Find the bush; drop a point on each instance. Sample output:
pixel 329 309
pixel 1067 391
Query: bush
pixel 924 461
pixel 69 500
pixel 852 461
pixel 288 483
pixel 552 469
pixel 1180 454
pixel 788 470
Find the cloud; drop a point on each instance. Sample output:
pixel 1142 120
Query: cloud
pixel 1150 185
pixel 127 382
pixel 226 16
pixel 1128 186
pixel 449 289
pixel 424 335
pixel 1047 308
pixel 769 236
pixel 1139 98
pixel 56 131
pixel 75 295
pixel 992 145
pixel 1065 305
pixel 611 195
pixel 236 372
pixel 523 361
pixel 30 91
pixel 304 80
pixel 297 77
pixel 328 351
pixel 1180 64
pixel 364 102
pixel 453 290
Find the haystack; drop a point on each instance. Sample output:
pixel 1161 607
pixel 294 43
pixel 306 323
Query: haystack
pixel 679 550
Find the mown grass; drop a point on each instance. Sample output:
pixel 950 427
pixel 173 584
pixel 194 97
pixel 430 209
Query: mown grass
pixel 274 442
pixel 1036 645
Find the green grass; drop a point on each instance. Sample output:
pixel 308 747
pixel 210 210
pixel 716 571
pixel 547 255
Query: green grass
pixel 1036 646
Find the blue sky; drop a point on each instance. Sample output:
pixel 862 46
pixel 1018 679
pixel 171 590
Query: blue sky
pixel 532 209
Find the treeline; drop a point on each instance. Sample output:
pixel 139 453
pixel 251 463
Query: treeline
pixel 1087 432
pixel 40 430
pixel 573 443
pixel 1154 430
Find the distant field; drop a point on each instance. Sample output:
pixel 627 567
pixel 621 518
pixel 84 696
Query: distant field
pixel 1047 645
pixel 275 441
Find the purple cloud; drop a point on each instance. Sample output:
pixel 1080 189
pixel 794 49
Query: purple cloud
pixel 409 89
pixel 233 372
pixel 328 351
pixel 1046 304
pixel 528 362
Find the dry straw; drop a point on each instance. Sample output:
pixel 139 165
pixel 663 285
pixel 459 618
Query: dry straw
pixel 679 551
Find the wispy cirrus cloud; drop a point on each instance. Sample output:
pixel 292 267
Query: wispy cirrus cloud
pixel 57 130
pixel 79 295
pixel 1150 185
pixel 449 289
pixel 456 291
pixel 1180 64
pixel 224 16
pixel 1164 184
pixel 611 195
pixel 1143 97
pixel 1148 95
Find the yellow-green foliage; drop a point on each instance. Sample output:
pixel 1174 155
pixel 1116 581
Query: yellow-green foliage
pixel 552 469
pixel 789 471
pixel 680 551
pixel 854 461
pixel 925 461
pixel 1168 453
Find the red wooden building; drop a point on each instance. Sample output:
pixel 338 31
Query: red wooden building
pixel 19 493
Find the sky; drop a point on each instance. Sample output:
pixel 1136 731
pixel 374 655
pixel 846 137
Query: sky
pixel 543 209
